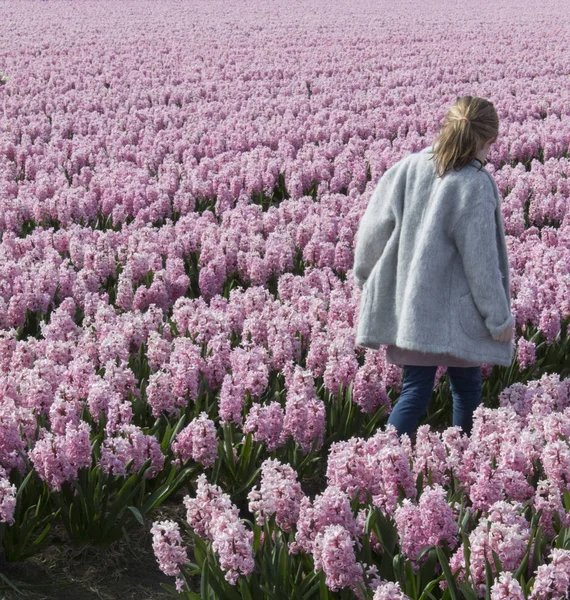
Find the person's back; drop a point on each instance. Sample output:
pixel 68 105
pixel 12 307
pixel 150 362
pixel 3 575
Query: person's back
pixel 432 260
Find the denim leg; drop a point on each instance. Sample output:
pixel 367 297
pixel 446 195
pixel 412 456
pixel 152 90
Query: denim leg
pixel 417 387
pixel 466 384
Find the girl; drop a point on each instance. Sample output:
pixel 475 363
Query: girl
pixel 432 263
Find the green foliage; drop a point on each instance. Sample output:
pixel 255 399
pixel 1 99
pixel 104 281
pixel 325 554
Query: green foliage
pixel 33 519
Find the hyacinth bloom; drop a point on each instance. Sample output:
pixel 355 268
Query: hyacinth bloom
pixel 232 400
pixel 58 458
pixel 11 442
pixel 369 390
pixel 552 581
pixel 502 530
pixel 265 423
pixel 332 507
pixel 209 500
pixel 333 552
pixel 507 588
pixel 548 498
pixel 395 474
pixel 304 421
pixel 106 243
pixel 304 412
pixel 556 463
pixel 347 468
pixel 7 498
pixel 430 456
pixel 197 441
pixel 379 465
pixel 429 523
pixel 212 515
pixel 389 591
pixel 279 493
pixel 168 547
pixel 160 394
pixel 130 443
pixel 230 539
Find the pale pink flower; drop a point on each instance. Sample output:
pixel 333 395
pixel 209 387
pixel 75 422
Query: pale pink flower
pixel 333 552
pixel 265 423
pixel 279 493
pixel 7 498
pixel 506 588
pixel 198 441
pixel 168 547
pixel 552 581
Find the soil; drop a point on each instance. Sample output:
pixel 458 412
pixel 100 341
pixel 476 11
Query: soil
pixel 126 569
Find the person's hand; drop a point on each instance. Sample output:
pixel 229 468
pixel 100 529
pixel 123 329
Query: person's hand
pixel 506 334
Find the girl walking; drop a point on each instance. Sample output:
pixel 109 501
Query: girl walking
pixel 431 260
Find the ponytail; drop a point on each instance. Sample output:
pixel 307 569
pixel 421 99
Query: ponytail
pixel 469 123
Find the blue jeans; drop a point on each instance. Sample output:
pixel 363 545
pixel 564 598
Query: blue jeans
pixel 465 382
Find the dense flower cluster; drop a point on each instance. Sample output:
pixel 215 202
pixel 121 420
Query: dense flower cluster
pixel 169 549
pixel 7 498
pixel 333 552
pixel 176 283
pixel 58 458
pixel 429 523
pixel 212 515
pixel 279 493
pixel 198 441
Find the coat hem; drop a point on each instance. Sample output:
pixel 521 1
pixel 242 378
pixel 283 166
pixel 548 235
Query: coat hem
pixel 471 356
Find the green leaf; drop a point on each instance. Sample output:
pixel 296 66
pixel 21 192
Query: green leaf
pixel 371 426
pixel 411 579
pixel 137 514
pixel 467 591
pixel 398 567
pixel 9 583
pixel 229 453
pixel 447 572
pixel 539 545
pixel 243 463
pixel 39 539
pixel 428 568
pixel 204 582
pixel 244 590
pixel 218 584
pixel 268 592
pixel 429 587
pixel 386 532
pixel 200 550
pixel 370 521
pixel 518 573
pixel 23 485
pixel 248 483
pixel 497 561
pixel 312 580
pixel 323 590
pixel 170 589
pixel 466 554
pixel 283 563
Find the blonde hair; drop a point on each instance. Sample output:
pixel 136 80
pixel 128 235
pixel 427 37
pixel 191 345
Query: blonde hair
pixel 468 125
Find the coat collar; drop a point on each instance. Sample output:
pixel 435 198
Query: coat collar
pixel 474 163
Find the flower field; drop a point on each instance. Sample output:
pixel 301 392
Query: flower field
pixel 181 184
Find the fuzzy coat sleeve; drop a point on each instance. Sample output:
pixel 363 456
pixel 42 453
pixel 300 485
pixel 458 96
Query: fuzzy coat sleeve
pixel 376 224
pixel 475 236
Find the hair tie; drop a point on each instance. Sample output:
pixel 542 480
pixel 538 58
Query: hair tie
pixel 463 119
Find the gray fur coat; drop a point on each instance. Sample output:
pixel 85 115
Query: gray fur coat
pixel 431 260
